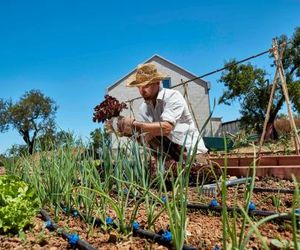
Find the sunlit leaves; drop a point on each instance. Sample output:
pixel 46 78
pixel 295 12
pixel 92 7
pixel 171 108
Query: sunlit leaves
pixel 18 204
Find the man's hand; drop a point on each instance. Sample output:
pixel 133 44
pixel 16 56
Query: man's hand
pixel 125 125
pixel 108 127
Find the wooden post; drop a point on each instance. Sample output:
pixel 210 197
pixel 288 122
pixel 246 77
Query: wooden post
pixel 186 96
pixel 262 138
pixel 279 65
pixel 275 82
pixel 131 113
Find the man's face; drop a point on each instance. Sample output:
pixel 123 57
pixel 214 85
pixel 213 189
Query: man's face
pixel 150 91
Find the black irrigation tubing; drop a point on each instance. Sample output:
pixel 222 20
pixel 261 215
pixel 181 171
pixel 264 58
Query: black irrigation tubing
pixel 158 238
pixel 96 222
pixel 231 209
pixel 270 190
pixel 137 232
pixel 251 212
pixel 80 244
pixel 273 190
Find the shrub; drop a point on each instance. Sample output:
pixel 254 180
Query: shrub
pixel 18 204
pixel 283 127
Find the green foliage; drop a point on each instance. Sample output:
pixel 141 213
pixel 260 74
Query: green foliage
pixel 251 87
pixel 32 115
pixel 18 204
pixel 66 176
pixel 3 115
pixel 17 150
pixel 242 139
pixel 52 140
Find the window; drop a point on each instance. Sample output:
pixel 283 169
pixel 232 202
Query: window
pixel 166 83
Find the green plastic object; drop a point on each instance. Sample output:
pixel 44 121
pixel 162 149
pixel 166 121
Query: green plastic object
pixel 217 143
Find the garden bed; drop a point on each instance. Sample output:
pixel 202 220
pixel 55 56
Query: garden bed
pixel 204 229
pixel 281 166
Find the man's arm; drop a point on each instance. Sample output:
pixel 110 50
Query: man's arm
pixel 163 128
pixel 127 124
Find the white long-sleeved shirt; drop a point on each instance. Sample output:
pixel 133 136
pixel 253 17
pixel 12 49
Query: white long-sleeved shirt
pixel 172 107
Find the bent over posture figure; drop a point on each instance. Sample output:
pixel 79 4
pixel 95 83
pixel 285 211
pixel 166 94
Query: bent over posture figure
pixel 166 122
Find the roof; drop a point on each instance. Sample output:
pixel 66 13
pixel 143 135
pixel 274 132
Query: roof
pixel 233 121
pixel 216 119
pixel 156 57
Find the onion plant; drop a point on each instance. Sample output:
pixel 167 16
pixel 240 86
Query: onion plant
pixel 240 240
pixel 84 199
pixel 176 204
pixel 229 224
pixel 138 172
pixel 296 215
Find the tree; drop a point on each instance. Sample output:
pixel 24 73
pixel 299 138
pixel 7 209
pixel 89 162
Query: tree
pixel 46 140
pixel 3 115
pixel 51 140
pixel 66 139
pixel 251 87
pixel 31 116
pixel 17 150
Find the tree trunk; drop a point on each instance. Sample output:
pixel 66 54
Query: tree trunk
pixel 29 142
pixel 30 147
pixel 271 132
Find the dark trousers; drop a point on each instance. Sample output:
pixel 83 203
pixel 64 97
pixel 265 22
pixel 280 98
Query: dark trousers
pixel 162 145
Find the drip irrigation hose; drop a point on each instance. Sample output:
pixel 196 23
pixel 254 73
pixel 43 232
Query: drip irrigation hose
pixel 273 190
pixel 73 239
pixel 252 212
pixel 136 231
pixel 231 209
pixel 158 238
pixel 269 190
pixel 92 220
pixel 213 206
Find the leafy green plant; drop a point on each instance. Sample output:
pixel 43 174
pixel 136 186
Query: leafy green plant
pixel 240 139
pixel 18 204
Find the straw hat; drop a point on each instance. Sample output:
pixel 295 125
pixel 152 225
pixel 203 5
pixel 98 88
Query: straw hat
pixel 145 74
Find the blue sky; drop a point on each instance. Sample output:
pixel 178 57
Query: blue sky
pixel 73 50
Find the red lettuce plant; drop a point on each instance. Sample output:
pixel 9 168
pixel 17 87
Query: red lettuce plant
pixel 107 109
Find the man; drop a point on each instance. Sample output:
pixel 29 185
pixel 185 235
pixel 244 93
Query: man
pixel 166 121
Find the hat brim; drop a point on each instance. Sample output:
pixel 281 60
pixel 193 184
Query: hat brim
pixel 131 82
